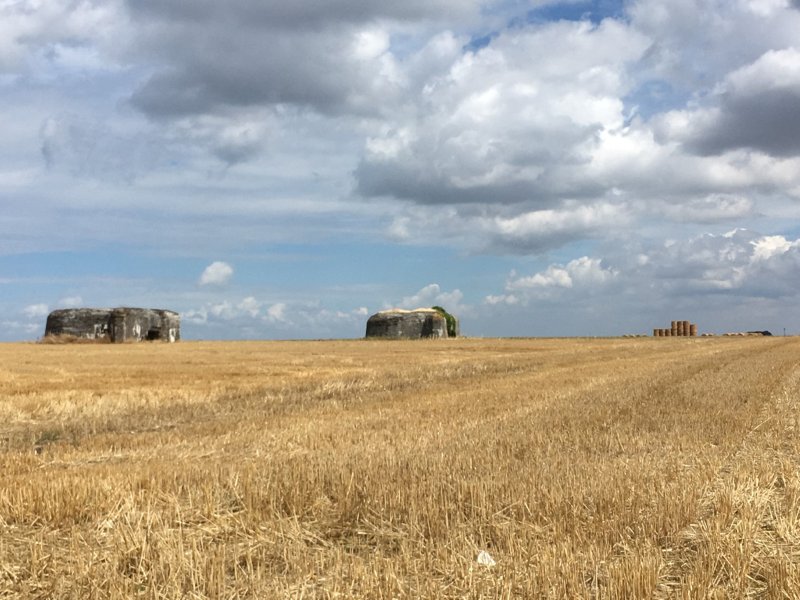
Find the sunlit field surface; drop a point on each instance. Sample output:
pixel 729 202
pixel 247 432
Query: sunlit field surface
pixel 611 468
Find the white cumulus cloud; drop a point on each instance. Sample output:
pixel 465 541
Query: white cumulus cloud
pixel 431 295
pixel 35 311
pixel 276 312
pixel 217 273
pixel 583 275
pixel 70 302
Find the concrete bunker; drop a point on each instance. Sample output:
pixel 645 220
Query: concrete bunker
pixel 397 323
pixel 115 324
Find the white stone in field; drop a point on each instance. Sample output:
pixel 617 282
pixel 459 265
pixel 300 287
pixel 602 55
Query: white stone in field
pixel 485 559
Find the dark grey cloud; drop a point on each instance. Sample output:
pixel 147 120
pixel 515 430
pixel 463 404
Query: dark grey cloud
pixel 298 14
pixel 768 121
pixel 407 183
pixel 425 184
pixel 216 70
pixel 755 107
pixel 246 53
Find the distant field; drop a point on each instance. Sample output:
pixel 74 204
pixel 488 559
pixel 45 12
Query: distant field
pixel 610 468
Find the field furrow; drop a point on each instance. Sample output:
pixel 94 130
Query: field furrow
pixel 745 542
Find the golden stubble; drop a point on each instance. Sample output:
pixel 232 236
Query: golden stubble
pixel 591 468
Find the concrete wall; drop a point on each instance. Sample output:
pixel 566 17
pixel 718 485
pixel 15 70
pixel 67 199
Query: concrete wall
pixel 140 324
pixel 407 324
pixel 117 325
pixel 90 323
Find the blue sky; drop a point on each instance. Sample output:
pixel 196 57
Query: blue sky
pixel 283 170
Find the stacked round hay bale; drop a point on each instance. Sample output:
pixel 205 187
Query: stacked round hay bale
pixel 398 323
pixel 693 329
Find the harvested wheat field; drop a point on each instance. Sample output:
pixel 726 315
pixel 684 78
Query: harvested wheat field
pixel 611 468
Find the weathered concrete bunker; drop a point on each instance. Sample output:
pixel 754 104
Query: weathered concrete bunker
pixel 407 324
pixel 115 324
